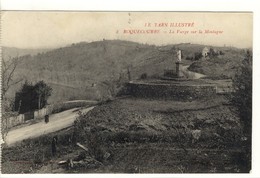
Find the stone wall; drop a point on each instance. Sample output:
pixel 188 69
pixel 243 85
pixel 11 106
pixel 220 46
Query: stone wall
pixel 171 91
pixel 13 121
pixel 42 112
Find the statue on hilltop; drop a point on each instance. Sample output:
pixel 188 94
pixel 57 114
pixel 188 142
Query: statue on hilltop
pixel 178 55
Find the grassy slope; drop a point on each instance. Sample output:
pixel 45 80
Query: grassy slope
pixel 159 116
pixel 222 66
pixel 141 136
pixel 154 135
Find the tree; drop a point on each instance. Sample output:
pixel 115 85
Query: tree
pixel 43 92
pixel 8 70
pixel 221 53
pixel 143 76
pixel 241 98
pixel 32 97
pixel 197 56
pixel 212 53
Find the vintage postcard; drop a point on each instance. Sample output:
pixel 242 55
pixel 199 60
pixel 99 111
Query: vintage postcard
pixel 126 92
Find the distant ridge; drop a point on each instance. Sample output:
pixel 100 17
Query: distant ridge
pixel 11 52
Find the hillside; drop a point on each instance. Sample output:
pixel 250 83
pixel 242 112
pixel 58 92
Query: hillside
pixel 84 70
pixel 154 136
pixel 92 70
pixel 219 67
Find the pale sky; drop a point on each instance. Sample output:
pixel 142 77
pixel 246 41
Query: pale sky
pixel 55 29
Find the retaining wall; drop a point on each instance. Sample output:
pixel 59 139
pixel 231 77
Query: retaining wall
pixel 171 91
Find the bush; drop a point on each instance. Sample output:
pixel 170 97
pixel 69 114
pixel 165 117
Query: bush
pixel 221 53
pixel 197 56
pixel 95 145
pixel 32 97
pixel 39 157
pixel 143 76
pixel 241 98
pixel 155 76
pixel 212 53
pixel 83 132
pixel 123 91
pixel 190 58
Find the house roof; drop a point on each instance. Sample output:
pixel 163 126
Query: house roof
pixel 205 49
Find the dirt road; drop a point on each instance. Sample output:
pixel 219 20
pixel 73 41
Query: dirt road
pixel 56 122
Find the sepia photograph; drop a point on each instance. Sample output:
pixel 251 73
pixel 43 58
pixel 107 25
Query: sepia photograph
pixel 126 92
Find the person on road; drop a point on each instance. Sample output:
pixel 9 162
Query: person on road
pixel 54 146
pixel 46 118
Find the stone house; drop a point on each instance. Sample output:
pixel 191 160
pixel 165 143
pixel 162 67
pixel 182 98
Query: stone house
pixel 205 52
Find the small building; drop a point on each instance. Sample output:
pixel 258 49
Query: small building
pixel 205 52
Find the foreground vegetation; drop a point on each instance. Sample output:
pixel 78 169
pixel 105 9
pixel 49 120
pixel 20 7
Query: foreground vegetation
pixel 143 136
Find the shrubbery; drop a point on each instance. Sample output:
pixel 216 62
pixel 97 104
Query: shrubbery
pixel 241 98
pixel 32 97
pixel 197 56
pixel 143 76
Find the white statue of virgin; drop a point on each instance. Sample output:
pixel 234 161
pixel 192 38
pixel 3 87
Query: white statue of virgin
pixel 179 56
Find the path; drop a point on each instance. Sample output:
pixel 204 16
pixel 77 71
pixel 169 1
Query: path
pixel 57 122
pixel 223 85
pixel 190 74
